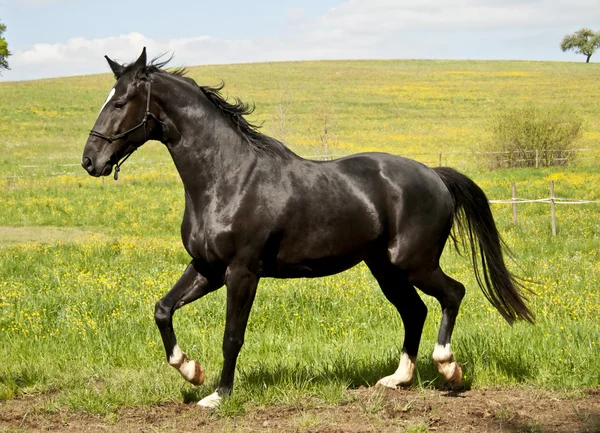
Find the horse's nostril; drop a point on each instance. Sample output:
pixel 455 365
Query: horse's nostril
pixel 87 164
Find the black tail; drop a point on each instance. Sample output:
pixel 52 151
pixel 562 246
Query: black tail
pixel 474 219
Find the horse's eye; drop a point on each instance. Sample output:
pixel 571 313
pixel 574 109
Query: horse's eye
pixel 119 105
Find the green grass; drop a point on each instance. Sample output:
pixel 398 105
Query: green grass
pixel 82 261
pixel 409 106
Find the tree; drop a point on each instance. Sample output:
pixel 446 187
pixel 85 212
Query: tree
pixel 4 53
pixel 583 41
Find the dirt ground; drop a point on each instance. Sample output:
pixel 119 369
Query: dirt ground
pixel 370 410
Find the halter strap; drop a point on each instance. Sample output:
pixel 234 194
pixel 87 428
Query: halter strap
pixel 144 122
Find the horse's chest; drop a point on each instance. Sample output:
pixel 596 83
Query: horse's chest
pixel 206 237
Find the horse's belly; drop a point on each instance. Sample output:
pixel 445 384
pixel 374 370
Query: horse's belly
pixel 312 268
pixel 317 257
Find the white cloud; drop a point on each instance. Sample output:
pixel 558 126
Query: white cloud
pixel 295 14
pixel 457 15
pixel 354 29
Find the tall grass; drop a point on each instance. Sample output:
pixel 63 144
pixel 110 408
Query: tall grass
pixel 76 316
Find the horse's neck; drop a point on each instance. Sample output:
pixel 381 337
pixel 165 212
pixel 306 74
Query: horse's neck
pixel 209 154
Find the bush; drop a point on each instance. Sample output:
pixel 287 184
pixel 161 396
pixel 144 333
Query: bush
pixel 531 136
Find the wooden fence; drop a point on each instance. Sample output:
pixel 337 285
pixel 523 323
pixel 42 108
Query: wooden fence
pixel 496 160
pixel 552 200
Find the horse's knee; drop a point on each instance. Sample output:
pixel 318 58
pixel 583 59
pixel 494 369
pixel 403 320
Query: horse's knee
pixel 420 312
pixel 162 314
pixel 232 344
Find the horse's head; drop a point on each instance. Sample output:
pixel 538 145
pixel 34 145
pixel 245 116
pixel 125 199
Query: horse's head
pixel 125 121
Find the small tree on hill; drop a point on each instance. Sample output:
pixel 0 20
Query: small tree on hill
pixel 4 53
pixel 583 41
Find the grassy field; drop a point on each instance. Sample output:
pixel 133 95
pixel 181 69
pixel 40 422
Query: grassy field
pixel 83 261
pixel 414 107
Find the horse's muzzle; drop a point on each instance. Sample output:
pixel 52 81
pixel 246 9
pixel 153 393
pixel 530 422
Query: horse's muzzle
pixel 88 165
pixel 92 169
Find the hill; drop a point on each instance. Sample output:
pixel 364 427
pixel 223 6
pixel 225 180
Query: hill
pixel 412 107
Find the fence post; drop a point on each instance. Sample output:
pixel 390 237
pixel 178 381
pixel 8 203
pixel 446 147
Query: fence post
pixel 553 208
pixel 537 158
pixel 440 161
pixel 514 204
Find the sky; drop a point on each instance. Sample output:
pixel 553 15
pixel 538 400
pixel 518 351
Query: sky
pixel 52 38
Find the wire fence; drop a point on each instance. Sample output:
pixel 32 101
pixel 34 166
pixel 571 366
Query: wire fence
pixel 500 159
pixel 556 200
pixel 443 158
pixel 552 201
pixel 458 160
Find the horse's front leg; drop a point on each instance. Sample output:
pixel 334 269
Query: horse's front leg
pixel 191 286
pixel 241 289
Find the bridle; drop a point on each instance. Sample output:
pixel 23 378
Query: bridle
pixel 144 122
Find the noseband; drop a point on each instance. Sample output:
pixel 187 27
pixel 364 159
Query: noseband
pixel 144 122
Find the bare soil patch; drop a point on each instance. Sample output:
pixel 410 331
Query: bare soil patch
pixel 370 410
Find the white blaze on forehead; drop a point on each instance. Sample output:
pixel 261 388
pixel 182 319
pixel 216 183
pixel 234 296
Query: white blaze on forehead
pixel 108 98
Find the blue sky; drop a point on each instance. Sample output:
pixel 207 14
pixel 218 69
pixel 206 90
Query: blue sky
pixel 50 38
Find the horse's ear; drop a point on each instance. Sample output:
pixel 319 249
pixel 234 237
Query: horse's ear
pixel 141 61
pixel 116 68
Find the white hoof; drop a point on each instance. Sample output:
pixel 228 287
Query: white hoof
pixel 191 370
pixel 388 382
pixel 451 372
pixel 403 375
pixel 447 366
pixel 211 401
pixel 394 382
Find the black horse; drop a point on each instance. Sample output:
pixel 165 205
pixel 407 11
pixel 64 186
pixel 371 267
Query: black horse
pixel 255 209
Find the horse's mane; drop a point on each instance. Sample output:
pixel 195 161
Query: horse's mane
pixel 234 111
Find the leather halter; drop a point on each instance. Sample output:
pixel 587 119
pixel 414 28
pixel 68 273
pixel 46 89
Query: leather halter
pixel 143 123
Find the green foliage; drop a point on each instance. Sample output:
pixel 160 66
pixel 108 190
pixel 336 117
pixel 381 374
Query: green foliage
pixel 4 53
pixel 532 135
pixel 584 41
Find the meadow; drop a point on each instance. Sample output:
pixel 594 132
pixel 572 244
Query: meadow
pixel 83 260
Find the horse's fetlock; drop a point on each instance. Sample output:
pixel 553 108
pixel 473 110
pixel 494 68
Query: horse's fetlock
pixel 443 354
pixel 177 357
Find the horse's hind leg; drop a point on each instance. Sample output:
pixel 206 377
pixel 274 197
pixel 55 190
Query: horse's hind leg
pixel 413 312
pixel 449 293
pixel 191 286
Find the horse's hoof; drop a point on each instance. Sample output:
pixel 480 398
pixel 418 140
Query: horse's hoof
pixel 387 382
pixel 456 379
pixel 210 401
pixel 393 382
pixel 193 372
pixel 451 372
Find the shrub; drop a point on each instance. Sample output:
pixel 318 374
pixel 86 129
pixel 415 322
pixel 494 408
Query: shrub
pixel 530 136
